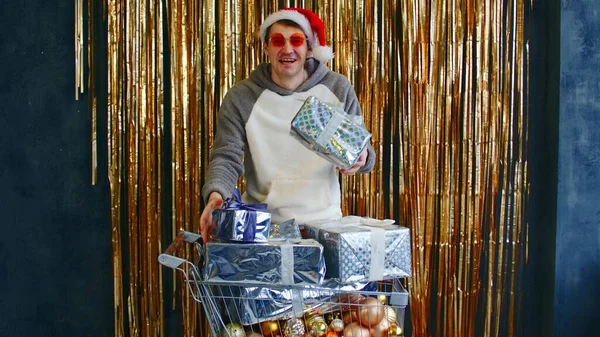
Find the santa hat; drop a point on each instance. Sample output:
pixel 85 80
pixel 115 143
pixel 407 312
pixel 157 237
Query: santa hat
pixel 310 23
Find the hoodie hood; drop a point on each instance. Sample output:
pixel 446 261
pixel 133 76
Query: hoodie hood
pixel 261 76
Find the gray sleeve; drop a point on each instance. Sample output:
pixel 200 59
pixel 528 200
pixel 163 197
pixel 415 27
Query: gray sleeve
pixel 225 160
pixel 342 88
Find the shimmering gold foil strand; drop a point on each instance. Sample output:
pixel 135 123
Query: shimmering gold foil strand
pixel 114 99
pixel 195 136
pixel 175 44
pixel 150 75
pixel 209 74
pixel 182 61
pixel 158 151
pixel 472 167
pixel 144 223
pixel 131 150
pixel 79 48
pixel 183 142
pixel 444 191
pixel 91 83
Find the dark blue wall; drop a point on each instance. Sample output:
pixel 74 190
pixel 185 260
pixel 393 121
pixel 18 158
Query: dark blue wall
pixel 55 250
pixel 544 32
pixel 577 282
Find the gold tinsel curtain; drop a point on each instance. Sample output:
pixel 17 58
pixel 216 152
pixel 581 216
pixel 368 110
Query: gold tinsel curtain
pixel 443 86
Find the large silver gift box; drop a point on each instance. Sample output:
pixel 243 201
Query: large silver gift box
pixel 360 249
pixel 287 262
pixel 328 131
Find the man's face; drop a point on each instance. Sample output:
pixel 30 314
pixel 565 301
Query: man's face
pixel 287 61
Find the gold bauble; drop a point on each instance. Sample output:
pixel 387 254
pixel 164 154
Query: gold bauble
pixel 337 325
pixel 330 316
pixel 382 299
pixel 316 326
pixel 270 328
pixel 356 330
pixel 390 314
pixel 395 331
pixel 234 330
pixel 370 312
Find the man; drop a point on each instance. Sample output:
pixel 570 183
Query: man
pixel 253 128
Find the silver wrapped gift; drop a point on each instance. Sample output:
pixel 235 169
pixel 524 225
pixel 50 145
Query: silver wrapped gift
pixel 285 230
pixel 287 262
pixel 330 132
pixel 255 304
pixel 362 249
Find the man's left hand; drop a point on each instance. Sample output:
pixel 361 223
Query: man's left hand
pixel 362 159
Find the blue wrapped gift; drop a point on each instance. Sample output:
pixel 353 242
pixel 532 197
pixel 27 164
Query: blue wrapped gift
pixel 241 222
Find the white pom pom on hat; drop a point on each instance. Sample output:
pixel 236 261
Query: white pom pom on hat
pixel 310 23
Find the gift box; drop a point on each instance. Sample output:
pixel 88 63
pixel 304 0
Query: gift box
pixel 254 304
pixel 330 132
pixel 362 249
pixel 287 262
pixel 241 222
pixel 288 229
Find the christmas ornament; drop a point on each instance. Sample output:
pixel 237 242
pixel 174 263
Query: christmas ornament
pixel 316 325
pixel 293 327
pixel 382 299
pixel 370 312
pixel 356 330
pixel 395 331
pixel 350 298
pixel 270 328
pixel 390 314
pixel 329 317
pixel 337 325
pixel 349 317
pixel 381 329
pixel 234 330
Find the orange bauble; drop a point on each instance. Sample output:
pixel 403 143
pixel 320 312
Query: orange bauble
pixel 349 317
pixel 381 329
pixel 270 329
pixel 370 312
pixel 356 330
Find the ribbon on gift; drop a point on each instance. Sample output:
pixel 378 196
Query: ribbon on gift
pixel 328 131
pixel 287 273
pixel 236 204
pixel 376 227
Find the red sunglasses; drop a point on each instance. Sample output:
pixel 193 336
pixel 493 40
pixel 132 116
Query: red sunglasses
pixel 278 40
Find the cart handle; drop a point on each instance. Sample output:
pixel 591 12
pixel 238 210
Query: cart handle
pixel 168 258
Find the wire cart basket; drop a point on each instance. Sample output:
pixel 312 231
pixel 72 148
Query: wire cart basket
pixel 236 309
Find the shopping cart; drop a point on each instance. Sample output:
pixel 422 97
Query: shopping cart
pixel 235 309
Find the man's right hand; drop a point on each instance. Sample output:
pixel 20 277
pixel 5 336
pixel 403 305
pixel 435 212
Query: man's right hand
pixel 215 201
